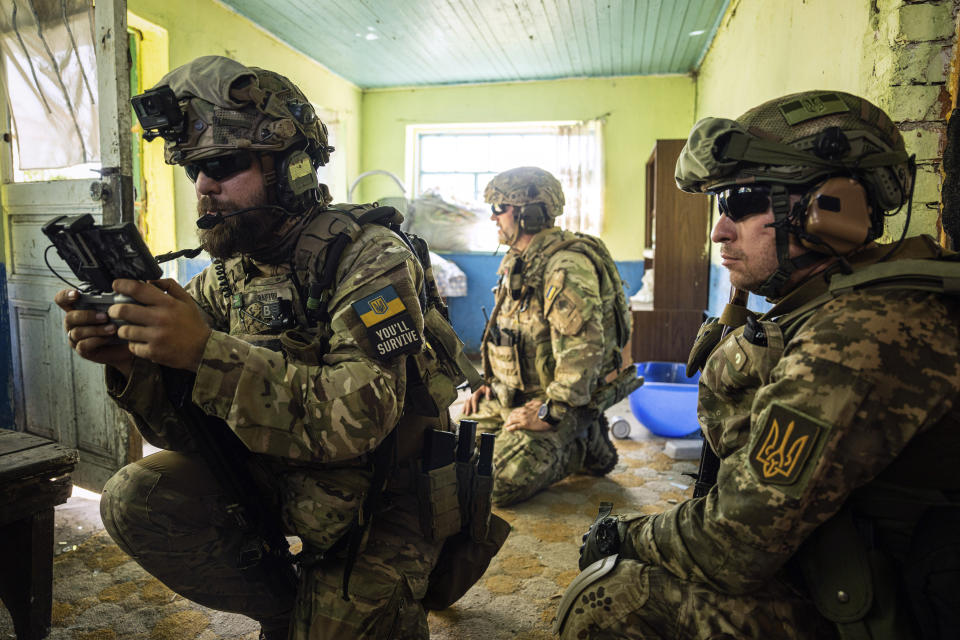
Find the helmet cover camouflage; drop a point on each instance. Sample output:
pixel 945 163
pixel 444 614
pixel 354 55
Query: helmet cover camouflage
pixel 230 106
pixel 526 185
pixel 800 139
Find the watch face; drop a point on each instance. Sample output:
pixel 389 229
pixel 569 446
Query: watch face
pixel 543 412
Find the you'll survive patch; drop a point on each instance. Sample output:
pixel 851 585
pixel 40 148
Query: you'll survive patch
pixel 388 323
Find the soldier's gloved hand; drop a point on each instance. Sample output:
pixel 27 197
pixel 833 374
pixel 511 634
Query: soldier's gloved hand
pixel 603 538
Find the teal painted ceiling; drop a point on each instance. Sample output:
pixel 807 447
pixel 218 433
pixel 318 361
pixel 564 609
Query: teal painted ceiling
pixel 389 43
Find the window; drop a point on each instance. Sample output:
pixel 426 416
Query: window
pixel 457 161
pixel 49 67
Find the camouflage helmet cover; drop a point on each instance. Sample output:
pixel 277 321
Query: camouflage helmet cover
pixel 526 185
pixel 229 106
pixel 799 139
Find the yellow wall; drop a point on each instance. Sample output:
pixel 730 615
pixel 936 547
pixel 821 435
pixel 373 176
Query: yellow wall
pixel 158 221
pixel 205 27
pixel 891 54
pixel 641 109
pixel 768 48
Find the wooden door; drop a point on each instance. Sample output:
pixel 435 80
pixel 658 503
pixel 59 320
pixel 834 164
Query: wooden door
pixel 58 395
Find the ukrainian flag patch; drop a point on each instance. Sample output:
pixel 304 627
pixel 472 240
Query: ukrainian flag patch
pixel 388 323
pixel 552 292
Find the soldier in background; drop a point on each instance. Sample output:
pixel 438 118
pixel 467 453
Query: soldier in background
pixel 557 328
pixel 307 337
pixel 835 511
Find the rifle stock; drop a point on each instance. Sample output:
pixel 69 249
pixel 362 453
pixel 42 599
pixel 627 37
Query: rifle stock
pixel 734 314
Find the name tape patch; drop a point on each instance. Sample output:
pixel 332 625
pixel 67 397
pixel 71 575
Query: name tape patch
pixel 388 323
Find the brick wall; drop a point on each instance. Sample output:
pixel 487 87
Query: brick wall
pixel 914 51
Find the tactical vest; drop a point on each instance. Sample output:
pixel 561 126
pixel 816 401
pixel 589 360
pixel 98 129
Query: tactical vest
pixel 888 564
pixel 289 312
pixel 441 366
pixel 516 345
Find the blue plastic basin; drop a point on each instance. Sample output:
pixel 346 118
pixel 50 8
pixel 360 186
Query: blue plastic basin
pixel 666 404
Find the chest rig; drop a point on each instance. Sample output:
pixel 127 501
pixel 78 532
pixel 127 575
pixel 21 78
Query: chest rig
pixel 516 345
pixel 288 308
pixel 439 366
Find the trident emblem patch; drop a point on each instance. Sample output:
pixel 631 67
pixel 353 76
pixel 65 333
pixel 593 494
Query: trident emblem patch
pixel 787 439
pixel 378 305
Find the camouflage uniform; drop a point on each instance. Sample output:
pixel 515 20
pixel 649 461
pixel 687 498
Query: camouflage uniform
pixel 862 376
pixel 828 415
pixel 300 419
pixel 311 417
pixel 551 342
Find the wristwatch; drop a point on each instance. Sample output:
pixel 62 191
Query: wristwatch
pixel 547 415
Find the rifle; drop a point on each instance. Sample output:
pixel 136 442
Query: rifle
pixel 229 459
pixel 734 315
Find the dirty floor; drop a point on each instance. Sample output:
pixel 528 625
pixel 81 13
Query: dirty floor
pixel 100 594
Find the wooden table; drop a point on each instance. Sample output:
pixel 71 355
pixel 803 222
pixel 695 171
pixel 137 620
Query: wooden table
pixel 34 478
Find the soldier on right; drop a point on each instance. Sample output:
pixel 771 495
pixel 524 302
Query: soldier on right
pixel 834 417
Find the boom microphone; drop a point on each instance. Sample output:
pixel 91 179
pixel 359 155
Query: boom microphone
pixel 210 220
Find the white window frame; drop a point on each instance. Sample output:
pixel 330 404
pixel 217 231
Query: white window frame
pixel 552 127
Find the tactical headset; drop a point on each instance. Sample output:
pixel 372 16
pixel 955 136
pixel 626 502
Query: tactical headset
pixel 533 217
pixel 837 216
pixel 297 187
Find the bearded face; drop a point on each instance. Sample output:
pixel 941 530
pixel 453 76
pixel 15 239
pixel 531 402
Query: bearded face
pixel 243 233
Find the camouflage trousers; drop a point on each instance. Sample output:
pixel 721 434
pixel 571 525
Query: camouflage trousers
pixel 168 513
pixel 525 462
pixel 638 600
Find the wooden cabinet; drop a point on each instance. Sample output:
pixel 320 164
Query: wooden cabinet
pixel 677 229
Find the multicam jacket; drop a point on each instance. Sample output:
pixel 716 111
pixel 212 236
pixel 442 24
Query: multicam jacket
pixel 806 415
pixel 551 331
pixel 302 416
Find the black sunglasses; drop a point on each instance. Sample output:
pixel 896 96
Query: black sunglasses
pixel 219 167
pixel 740 202
pixel 499 209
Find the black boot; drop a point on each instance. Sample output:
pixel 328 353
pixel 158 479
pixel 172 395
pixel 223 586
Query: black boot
pixel 275 628
pixel 601 456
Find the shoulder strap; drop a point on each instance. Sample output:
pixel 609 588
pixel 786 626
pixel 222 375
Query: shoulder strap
pixel 327 235
pixel 603 262
pixel 935 275
pixel 940 275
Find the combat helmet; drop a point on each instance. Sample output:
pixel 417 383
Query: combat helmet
pixel 535 191
pixel 840 152
pixel 213 106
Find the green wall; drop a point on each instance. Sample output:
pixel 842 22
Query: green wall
pixel 641 109
pixel 205 27
pixel 768 48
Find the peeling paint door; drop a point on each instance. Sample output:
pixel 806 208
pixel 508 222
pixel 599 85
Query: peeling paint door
pixel 58 395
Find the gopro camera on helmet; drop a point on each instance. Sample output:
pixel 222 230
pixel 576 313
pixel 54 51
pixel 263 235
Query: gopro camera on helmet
pixel 159 113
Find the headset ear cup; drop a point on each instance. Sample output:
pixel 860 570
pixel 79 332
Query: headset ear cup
pixel 839 215
pixel 297 182
pixel 533 217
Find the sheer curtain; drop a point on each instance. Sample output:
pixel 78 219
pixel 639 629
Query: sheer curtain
pixel 50 73
pixel 580 171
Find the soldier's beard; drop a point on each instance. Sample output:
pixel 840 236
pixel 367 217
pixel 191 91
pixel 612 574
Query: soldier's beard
pixel 510 237
pixel 244 233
